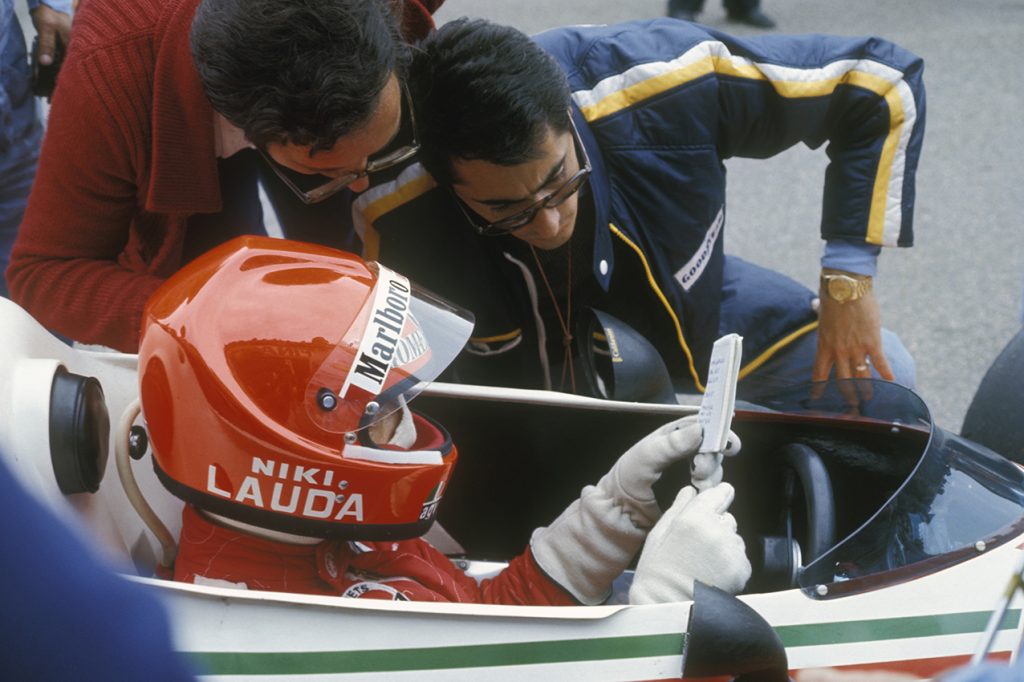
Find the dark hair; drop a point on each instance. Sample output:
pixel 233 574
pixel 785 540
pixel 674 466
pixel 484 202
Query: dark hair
pixel 303 72
pixel 484 91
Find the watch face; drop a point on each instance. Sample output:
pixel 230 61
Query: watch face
pixel 840 288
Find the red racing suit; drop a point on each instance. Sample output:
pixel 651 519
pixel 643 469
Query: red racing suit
pixel 407 570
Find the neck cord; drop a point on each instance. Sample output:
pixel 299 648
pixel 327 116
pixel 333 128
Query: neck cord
pixel 563 321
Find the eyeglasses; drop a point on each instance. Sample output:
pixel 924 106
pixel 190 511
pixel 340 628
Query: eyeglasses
pixel 523 218
pixel 383 161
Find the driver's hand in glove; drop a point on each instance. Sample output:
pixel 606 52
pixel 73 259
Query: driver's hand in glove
pixel 598 535
pixel 629 483
pixel 696 539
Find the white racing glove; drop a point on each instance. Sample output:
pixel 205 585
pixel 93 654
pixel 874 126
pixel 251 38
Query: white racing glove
pixel 597 536
pixel 706 467
pixel 696 539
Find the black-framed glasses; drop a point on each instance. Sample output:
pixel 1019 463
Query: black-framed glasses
pixel 523 218
pixel 382 161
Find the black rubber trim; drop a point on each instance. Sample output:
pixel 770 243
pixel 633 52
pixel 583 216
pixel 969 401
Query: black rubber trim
pixel 79 432
pixel 725 636
pixel 306 527
pixel 288 524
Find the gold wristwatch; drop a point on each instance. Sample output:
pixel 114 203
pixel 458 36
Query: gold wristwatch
pixel 844 287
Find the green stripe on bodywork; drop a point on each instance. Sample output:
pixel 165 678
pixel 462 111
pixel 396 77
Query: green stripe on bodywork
pixel 438 658
pixel 850 631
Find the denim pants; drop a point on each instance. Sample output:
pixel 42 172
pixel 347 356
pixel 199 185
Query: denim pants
pixel 21 132
pixel 794 365
pixel 732 6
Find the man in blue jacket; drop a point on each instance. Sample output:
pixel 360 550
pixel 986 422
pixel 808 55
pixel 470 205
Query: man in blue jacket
pixel 586 170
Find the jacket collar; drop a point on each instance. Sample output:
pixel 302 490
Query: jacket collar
pixel 604 258
pixel 183 167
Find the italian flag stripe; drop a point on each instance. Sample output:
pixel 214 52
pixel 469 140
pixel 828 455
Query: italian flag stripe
pixel 850 631
pixel 577 650
pixel 475 656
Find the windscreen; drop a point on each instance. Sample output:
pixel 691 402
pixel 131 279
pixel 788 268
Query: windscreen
pixel 959 498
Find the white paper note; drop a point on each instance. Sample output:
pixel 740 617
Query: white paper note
pixel 719 403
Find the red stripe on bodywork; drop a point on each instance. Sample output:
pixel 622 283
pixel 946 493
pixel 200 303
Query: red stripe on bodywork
pixel 924 667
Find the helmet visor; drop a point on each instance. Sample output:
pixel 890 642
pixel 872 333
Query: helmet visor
pixel 401 340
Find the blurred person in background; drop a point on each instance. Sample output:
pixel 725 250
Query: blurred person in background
pixel 67 615
pixel 741 11
pixel 21 129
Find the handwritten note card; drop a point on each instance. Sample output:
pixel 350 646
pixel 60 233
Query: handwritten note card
pixel 719 403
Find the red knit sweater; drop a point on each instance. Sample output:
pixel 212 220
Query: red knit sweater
pixel 129 155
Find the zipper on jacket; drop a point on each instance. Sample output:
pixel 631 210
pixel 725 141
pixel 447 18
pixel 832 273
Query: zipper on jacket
pixel 664 302
pixel 542 335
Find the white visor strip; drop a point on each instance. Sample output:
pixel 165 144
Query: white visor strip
pixel 392 456
pixel 391 300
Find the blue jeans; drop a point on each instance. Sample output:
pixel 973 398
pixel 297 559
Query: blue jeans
pixel 794 365
pixel 20 136
pixel 17 170
pixel 732 6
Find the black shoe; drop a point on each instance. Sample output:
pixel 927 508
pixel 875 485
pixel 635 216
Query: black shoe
pixel 683 14
pixel 754 17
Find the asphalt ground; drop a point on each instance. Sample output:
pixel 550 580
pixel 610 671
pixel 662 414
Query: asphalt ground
pixel 955 298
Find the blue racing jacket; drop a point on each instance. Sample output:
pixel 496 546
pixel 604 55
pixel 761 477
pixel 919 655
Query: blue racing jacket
pixel 660 105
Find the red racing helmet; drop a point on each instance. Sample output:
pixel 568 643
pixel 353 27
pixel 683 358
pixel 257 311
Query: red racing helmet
pixel 261 367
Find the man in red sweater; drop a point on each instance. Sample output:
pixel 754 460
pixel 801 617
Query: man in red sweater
pixel 166 112
pixel 275 379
